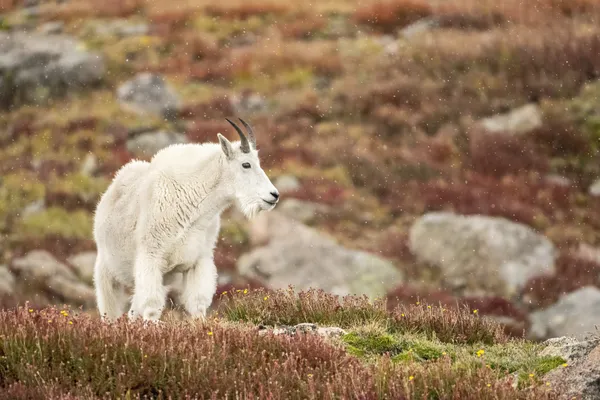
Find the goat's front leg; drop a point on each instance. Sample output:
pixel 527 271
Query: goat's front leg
pixel 199 286
pixel 150 294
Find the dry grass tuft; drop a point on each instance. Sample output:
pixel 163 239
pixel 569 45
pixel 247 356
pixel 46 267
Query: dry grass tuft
pixel 388 15
pixel 239 9
pixel 285 307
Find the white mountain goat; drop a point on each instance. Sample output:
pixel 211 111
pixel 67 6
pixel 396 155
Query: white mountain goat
pixel 162 218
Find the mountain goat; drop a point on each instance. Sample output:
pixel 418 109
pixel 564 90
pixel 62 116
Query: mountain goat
pixel 162 218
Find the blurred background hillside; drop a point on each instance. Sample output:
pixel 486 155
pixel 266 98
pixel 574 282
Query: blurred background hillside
pixel 426 150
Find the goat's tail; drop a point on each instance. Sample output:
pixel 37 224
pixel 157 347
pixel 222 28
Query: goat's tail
pixel 111 299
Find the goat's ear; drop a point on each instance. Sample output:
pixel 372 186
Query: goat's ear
pixel 226 146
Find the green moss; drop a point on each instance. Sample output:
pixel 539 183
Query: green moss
pixel 419 348
pixel 547 364
pixel 365 344
pixel 234 232
pixel 224 29
pixel 84 186
pixel 270 81
pixel 584 108
pixel 16 192
pixel 404 357
pixel 427 350
pixel 55 222
pixel 297 77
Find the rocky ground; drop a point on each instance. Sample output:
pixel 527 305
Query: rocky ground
pixel 425 150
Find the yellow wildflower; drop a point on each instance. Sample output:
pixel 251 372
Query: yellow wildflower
pixel 31 310
pixel 488 385
pixel 266 298
pixel 210 333
pixel 565 365
pixel 245 291
pixel 70 322
pixel 418 302
pixel 145 40
pixel 475 311
pixel 410 378
pixel 531 375
pixel 429 307
pixel 480 352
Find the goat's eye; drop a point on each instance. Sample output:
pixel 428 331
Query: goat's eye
pixel 246 165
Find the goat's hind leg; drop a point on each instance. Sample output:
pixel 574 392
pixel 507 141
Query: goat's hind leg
pixel 111 297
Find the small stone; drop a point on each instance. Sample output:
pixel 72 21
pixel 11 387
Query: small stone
pixel 558 180
pixel 305 327
pixel 594 189
pixel 40 265
pixel 89 165
pixel 34 208
pixel 331 331
pixel 84 265
pixel 119 28
pixel 148 93
pixel 40 268
pixel 224 279
pixel 52 28
pixel 7 281
pixel 518 122
pixel 248 103
pixel 147 144
pixel 303 211
pixel 418 27
pixel 287 183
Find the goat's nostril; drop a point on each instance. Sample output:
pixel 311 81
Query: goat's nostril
pixel 275 194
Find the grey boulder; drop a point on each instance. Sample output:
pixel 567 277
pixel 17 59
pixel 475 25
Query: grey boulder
pixel 479 254
pixel 294 254
pixel 576 314
pixel 149 94
pixel 35 68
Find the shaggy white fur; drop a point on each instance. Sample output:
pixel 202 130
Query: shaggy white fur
pixel 161 218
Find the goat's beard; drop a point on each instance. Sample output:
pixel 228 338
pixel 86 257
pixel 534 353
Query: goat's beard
pixel 250 208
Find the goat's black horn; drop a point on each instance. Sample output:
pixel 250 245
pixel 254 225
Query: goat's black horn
pixel 245 147
pixel 251 136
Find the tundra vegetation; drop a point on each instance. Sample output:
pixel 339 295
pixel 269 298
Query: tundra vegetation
pixel 379 122
pixel 414 351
